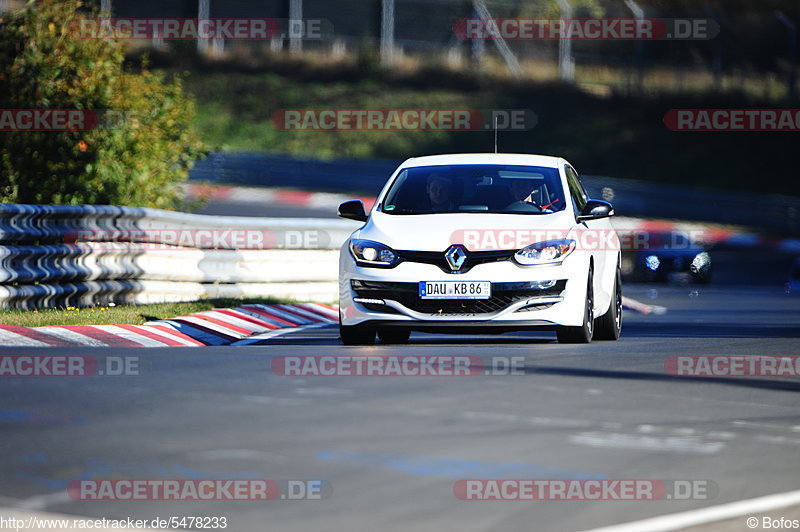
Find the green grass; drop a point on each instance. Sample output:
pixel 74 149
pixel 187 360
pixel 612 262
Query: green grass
pixel 235 112
pixel 120 314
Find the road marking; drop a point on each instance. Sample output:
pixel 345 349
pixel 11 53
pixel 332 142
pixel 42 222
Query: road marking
pixel 240 454
pixel 526 420
pixel 40 502
pixel 680 444
pixel 722 512
pixel 642 308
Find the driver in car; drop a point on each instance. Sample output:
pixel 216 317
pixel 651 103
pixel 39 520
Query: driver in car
pixel 440 189
pixel 523 191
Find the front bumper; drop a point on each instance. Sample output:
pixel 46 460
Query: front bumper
pixel 522 297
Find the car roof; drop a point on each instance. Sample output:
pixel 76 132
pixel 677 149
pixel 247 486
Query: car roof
pixel 521 159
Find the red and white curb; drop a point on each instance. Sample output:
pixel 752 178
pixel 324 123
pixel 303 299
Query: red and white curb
pixel 319 200
pixel 245 325
pixel 212 327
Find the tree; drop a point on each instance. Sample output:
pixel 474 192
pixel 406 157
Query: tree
pixel 142 146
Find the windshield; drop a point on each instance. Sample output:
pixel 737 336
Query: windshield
pixel 500 189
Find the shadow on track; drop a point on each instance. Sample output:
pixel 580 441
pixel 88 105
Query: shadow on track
pixel 760 383
pixel 708 330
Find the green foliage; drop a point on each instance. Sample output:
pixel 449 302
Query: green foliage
pixel 143 145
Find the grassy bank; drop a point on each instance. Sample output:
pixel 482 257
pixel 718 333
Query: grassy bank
pixel 120 314
pixel 602 133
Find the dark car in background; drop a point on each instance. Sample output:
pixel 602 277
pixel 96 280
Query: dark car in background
pixel 669 257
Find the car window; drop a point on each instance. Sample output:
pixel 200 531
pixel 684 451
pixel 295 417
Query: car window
pixel 576 190
pixel 493 188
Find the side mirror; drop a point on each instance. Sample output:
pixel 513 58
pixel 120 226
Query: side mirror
pixel 595 209
pixel 353 210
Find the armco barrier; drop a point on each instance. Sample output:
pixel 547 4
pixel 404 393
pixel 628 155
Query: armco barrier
pixel 645 199
pixel 81 255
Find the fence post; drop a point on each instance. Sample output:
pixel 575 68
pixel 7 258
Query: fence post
pixel 387 32
pixel 638 14
pixel 295 19
pixel 502 45
pixel 203 12
pixel 792 27
pixel 717 62
pixel 566 63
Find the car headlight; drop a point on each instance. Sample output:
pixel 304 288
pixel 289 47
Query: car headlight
pixel 369 253
pixel 544 252
pixel 700 263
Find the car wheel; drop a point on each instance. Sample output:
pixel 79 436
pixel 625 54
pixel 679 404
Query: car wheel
pixel 394 336
pixel 583 333
pixel 609 325
pixel 356 335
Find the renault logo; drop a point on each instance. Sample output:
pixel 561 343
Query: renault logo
pixel 455 256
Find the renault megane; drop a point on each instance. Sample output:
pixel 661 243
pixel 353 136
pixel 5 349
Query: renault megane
pixel 475 243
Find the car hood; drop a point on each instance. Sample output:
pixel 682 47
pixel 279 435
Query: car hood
pixel 478 231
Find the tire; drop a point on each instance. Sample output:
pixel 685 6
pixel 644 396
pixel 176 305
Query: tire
pixel 609 325
pixel 356 335
pixel 394 335
pixel 583 333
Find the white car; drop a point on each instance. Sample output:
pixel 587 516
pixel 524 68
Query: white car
pixel 480 243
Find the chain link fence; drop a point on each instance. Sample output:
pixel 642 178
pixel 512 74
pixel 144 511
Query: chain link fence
pixel 754 52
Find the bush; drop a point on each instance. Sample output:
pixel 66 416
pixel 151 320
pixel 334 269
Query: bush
pixel 143 145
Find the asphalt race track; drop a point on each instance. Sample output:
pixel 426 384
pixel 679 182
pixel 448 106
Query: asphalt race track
pixel 392 448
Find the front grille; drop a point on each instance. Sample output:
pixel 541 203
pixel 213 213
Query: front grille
pixel 473 259
pixel 407 294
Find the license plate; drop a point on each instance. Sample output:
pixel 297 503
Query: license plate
pixel 455 289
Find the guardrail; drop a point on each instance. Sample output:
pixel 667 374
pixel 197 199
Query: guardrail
pixel 81 255
pixel 772 212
